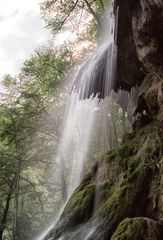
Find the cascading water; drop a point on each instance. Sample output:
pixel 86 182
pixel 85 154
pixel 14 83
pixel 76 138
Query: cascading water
pixel 97 75
pixel 95 80
pixel 77 136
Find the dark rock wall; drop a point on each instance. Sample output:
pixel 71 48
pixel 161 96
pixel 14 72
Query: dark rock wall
pixel 130 70
pixel 140 41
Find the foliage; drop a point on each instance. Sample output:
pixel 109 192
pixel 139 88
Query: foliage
pixel 67 9
pixel 83 19
pixel 28 144
pixel 46 68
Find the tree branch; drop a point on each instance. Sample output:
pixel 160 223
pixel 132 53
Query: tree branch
pixel 41 204
pixel 93 12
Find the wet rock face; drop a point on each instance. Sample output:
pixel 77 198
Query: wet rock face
pixel 140 37
pixel 140 57
pixel 147 24
pixel 130 72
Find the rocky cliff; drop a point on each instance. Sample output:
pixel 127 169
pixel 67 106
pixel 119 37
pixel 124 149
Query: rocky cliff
pixel 130 187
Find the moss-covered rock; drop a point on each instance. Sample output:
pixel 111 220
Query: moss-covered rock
pixel 83 202
pixel 138 229
pixel 122 183
pixel 128 195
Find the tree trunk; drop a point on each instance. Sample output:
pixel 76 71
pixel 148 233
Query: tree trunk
pixel 6 209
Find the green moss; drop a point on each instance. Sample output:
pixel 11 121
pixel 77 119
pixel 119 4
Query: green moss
pixel 123 150
pixel 127 177
pixel 133 180
pixel 128 229
pixel 82 202
pixel 111 155
pixel 138 229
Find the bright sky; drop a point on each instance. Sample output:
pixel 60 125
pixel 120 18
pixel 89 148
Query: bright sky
pixel 21 31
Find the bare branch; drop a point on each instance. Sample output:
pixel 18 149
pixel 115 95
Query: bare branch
pixel 39 199
pixel 93 12
pixel 67 16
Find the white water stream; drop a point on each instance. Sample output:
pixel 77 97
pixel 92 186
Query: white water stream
pixel 91 231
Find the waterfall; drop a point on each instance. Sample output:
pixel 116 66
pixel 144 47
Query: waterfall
pixel 97 75
pixel 95 81
pixel 77 136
